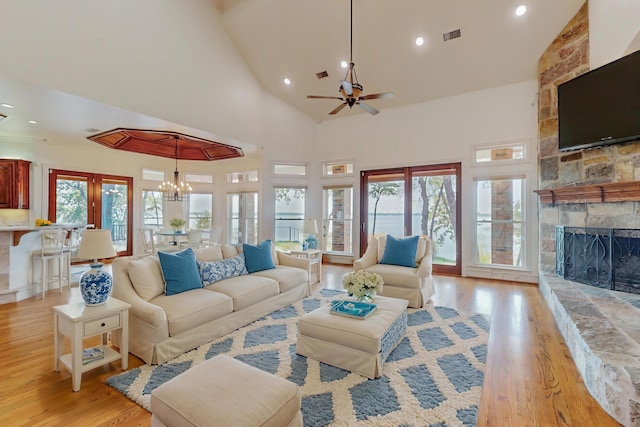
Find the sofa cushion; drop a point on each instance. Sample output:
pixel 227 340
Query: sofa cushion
pixel 393 275
pixel 229 251
pixel 213 271
pixel 179 271
pixel 210 253
pixel 258 258
pixel 421 250
pixel 146 277
pixel 287 277
pixel 401 252
pixel 187 310
pixel 246 290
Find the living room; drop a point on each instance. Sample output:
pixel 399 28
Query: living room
pixel 66 65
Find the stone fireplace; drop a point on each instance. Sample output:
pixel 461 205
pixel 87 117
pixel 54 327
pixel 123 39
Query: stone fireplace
pixel 590 193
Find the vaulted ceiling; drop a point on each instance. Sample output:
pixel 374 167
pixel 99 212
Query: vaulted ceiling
pixel 296 39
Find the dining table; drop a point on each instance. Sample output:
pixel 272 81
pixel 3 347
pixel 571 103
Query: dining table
pixel 174 235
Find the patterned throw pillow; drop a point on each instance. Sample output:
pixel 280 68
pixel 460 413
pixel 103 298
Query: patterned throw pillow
pixel 212 271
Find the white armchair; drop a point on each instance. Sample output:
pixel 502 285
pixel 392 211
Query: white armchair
pixel 413 284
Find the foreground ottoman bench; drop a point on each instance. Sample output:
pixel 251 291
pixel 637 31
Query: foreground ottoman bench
pixel 357 345
pixel 225 392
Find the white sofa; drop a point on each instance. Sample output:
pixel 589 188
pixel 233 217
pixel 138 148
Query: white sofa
pixel 162 327
pixel 413 284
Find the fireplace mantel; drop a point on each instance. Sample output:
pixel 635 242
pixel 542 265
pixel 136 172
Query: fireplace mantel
pixel 594 193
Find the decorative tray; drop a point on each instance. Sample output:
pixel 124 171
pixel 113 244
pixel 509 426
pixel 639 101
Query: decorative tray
pixel 353 309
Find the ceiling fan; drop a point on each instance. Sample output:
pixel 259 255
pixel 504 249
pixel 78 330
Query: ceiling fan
pixel 350 89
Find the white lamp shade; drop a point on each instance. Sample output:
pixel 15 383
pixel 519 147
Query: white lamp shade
pixel 310 226
pixel 96 244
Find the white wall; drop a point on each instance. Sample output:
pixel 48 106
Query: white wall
pixel 440 131
pixel 613 25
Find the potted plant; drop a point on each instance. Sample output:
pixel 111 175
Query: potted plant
pixel 177 224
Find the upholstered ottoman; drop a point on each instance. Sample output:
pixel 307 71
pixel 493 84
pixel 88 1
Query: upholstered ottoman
pixel 225 392
pixel 357 345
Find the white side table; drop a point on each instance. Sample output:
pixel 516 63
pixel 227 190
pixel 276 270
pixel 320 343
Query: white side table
pixel 77 321
pixel 315 260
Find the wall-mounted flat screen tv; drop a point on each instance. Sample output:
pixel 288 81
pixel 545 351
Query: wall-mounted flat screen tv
pixel 602 106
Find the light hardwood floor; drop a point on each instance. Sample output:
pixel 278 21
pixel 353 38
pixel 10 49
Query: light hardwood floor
pixel 530 378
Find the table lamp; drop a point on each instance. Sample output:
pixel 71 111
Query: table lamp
pixel 96 284
pixel 310 229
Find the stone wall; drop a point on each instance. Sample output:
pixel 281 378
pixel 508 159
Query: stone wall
pixel 568 57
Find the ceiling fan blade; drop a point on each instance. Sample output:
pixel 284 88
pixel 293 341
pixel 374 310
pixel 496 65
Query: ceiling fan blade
pixel 338 108
pixel 368 108
pixel 348 87
pixel 384 95
pixel 324 97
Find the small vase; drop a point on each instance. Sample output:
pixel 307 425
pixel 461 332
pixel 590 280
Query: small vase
pixel 368 296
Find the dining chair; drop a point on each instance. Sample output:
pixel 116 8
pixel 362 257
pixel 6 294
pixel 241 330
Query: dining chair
pixel 194 240
pixel 214 236
pixel 149 243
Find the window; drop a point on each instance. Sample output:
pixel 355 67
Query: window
pixel 297 169
pixel 152 175
pixel 500 222
pixel 415 200
pixel 337 168
pixel 238 177
pixel 500 153
pixel 289 217
pixel 87 198
pixel 152 205
pixel 198 178
pixel 337 223
pixel 243 217
pixel 200 208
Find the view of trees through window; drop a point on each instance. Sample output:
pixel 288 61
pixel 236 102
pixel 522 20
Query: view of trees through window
pixel 430 208
pixel 152 215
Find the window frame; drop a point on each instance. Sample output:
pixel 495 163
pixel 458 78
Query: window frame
pixel 326 219
pixel 524 221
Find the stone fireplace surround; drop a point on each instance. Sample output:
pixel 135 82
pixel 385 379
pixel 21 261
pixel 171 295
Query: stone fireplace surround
pixel 602 330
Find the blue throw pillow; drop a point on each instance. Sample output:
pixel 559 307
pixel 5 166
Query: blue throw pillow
pixel 212 271
pixel 179 271
pixel 400 251
pixel 258 258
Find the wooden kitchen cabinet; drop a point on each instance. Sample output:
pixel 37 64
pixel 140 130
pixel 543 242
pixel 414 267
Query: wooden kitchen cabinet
pixel 14 184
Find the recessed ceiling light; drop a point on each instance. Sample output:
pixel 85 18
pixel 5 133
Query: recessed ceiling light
pixel 7 105
pixel 344 64
pixel 419 41
pixel 521 10
pixel 33 122
pixel 287 81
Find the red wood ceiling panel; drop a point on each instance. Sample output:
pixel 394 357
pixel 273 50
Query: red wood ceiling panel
pixel 163 144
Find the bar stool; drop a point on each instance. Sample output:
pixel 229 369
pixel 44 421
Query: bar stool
pixel 53 249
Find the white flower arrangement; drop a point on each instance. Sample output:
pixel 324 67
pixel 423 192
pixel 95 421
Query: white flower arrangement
pixel 360 283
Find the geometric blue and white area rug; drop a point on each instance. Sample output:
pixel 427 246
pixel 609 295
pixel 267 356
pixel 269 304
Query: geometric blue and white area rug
pixel 433 378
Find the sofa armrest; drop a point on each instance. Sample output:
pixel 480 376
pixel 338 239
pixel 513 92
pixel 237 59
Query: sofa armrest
pixel 426 266
pixel 369 258
pixel 123 290
pixel 293 261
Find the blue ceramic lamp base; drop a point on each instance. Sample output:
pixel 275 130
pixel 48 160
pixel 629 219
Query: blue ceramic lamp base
pixel 95 285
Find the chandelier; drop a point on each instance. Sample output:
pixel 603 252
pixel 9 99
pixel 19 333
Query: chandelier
pixel 177 190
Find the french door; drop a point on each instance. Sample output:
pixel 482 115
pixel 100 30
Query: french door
pixel 415 200
pixel 106 201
